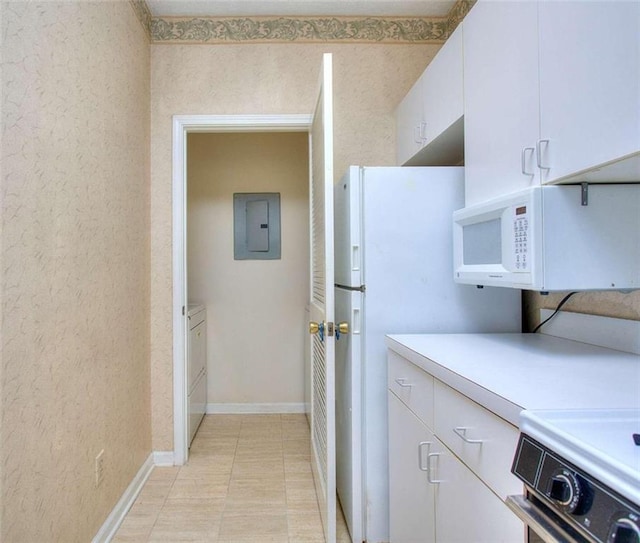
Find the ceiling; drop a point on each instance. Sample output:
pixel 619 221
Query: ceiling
pixel 290 8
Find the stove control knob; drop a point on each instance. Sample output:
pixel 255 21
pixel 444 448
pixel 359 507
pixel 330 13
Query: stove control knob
pixel 561 489
pixel 624 531
pixel 567 492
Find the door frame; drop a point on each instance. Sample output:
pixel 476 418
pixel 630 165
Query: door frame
pixel 183 125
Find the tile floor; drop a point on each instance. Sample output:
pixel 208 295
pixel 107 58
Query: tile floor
pixel 248 480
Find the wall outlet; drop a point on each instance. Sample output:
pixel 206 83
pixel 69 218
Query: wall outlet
pixel 99 468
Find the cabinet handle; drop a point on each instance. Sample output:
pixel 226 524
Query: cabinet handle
pixel 430 471
pixel 421 456
pixel 461 432
pixel 417 134
pixel 423 132
pixel 539 154
pixel 401 382
pixel 523 160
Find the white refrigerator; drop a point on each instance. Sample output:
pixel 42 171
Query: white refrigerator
pixel 394 275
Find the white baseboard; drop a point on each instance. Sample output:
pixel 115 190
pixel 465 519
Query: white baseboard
pixel 115 518
pixel 163 458
pixel 256 408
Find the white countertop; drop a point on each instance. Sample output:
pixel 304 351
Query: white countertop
pixel 507 373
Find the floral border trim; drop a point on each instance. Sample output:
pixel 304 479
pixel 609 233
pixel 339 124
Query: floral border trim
pixel 457 13
pixel 218 30
pixel 308 29
pixel 143 14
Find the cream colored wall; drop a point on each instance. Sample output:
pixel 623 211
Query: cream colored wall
pixel 370 80
pixel 75 264
pixel 255 308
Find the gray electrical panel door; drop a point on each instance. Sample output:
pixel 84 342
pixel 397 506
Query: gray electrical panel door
pixel 256 226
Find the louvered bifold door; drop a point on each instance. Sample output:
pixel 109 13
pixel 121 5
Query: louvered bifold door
pixel 322 304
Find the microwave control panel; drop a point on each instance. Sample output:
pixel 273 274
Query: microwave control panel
pixel 521 238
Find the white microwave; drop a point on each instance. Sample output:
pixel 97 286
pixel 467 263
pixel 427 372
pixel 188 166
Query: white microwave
pixel 548 238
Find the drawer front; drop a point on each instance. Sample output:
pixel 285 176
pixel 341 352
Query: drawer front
pixel 413 386
pixel 483 441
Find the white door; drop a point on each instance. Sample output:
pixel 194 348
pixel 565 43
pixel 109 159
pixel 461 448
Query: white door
pixel 323 441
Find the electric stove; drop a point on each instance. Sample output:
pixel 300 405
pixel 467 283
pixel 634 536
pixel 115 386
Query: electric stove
pixel 581 471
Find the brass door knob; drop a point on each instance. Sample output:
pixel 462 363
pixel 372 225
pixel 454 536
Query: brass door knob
pixel 343 327
pixel 314 327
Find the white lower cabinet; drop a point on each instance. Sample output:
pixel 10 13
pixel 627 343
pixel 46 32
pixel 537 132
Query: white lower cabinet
pixel 435 496
pixel 410 494
pixel 196 368
pixel 466 510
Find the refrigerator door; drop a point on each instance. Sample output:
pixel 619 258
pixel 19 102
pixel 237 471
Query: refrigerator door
pixel 348 308
pixel 347 234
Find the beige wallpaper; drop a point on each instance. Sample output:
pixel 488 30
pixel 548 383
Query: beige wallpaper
pixel 75 264
pixel 370 80
pixel 255 308
pixel 608 304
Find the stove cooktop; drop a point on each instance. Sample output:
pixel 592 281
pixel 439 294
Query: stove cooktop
pixel 601 442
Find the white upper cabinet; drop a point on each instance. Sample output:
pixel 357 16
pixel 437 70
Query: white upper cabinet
pixel 429 129
pixel 589 87
pixel 442 88
pixel 551 94
pixel 501 99
pixel 409 124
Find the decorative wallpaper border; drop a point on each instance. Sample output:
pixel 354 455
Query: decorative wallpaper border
pixel 220 30
pixel 307 29
pixel 143 13
pixel 457 13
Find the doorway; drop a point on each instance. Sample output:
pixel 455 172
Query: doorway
pixel 183 125
pixel 255 306
pixel 319 127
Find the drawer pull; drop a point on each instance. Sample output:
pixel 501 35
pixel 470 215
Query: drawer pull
pixel 461 432
pixel 421 456
pixel 430 471
pixel 401 382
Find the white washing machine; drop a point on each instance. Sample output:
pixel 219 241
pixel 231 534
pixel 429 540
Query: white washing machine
pixel 196 367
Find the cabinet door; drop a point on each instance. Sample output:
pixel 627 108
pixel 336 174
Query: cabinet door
pixel 196 355
pixel 466 510
pixel 409 124
pixel 589 84
pixel 411 506
pixel 500 99
pixel 442 88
